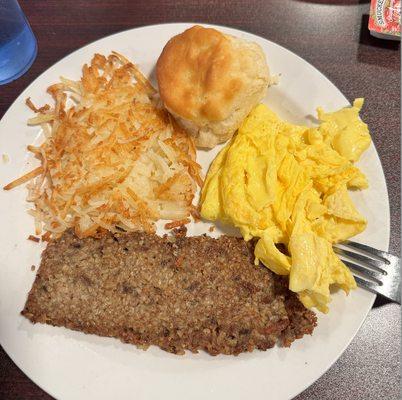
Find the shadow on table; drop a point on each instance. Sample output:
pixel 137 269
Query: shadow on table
pixel 381 301
pixel 367 43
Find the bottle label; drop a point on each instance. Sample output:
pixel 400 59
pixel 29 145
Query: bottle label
pixel 385 17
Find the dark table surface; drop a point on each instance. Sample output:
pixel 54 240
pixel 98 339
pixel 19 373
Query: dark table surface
pixel 331 35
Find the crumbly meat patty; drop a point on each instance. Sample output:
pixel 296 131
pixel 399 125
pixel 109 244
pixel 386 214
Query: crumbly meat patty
pixel 178 293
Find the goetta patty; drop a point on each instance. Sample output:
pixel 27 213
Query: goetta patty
pixel 178 293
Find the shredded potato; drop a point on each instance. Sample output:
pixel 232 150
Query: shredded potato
pixel 112 157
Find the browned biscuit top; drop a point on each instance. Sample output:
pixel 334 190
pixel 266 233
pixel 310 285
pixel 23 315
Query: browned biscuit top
pixel 199 74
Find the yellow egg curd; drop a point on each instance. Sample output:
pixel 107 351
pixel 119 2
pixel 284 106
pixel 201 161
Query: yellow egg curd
pixel 288 184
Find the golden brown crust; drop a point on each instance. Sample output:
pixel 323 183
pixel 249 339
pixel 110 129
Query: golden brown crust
pixel 198 74
pixel 210 81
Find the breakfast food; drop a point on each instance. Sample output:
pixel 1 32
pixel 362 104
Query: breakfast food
pixel 287 184
pixel 179 293
pixel 111 158
pixel 210 81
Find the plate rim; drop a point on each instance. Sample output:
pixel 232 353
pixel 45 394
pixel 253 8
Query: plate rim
pixel 216 26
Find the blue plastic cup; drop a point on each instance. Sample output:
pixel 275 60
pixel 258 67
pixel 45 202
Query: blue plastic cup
pixel 18 45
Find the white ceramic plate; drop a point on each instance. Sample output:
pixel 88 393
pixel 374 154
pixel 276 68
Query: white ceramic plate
pixel 72 365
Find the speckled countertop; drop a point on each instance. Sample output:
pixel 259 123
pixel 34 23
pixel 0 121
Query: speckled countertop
pixel 370 367
pixel 331 35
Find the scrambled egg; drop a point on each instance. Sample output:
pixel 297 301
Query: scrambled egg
pixel 288 184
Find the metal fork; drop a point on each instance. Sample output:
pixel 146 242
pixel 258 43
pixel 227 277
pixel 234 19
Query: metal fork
pixel 374 270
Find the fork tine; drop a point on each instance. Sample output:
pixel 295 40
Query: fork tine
pixel 365 272
pixel 369 250
pixel 372 287
pixel 377 289
pixel 380 275
pixel 376 264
